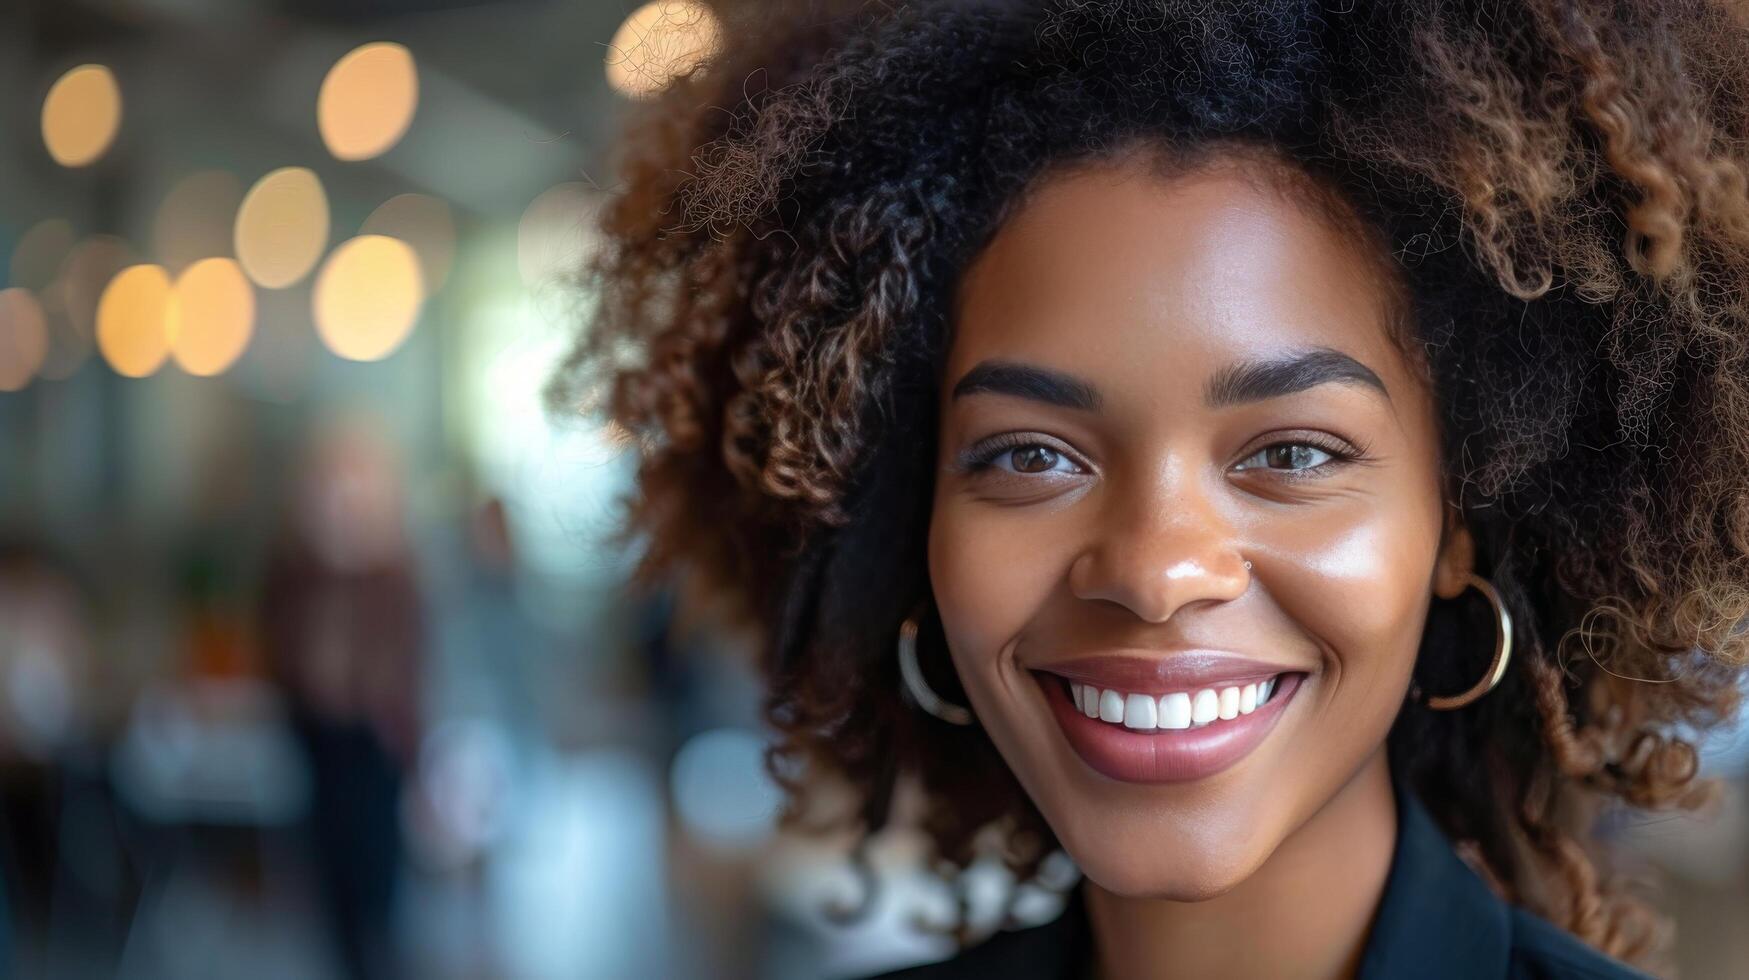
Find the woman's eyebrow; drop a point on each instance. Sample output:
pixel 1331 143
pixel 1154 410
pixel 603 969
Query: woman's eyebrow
pixel 1234 384
pixel 1250 381
pixel 1029 381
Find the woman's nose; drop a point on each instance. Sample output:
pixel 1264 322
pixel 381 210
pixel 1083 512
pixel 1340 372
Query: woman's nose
pixel 1157 555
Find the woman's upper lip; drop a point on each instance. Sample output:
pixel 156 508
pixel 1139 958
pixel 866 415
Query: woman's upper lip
pixel 1164 673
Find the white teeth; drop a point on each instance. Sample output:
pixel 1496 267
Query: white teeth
pixel 1229 702
pixel 1110 706
pixel 1139 712
pixel 1175 710
pixel 1178 710
pixel 1205 706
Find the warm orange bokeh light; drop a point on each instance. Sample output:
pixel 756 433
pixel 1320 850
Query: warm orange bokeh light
pixel 367 297
pixel 367 100
pixel 658 42
pixel 81 115
pixel 282 227
pixel 131 320
pixel 211 316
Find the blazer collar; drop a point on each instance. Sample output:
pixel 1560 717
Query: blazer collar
pixel 1437 919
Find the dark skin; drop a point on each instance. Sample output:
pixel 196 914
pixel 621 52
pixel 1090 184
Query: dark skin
pixel 1126 526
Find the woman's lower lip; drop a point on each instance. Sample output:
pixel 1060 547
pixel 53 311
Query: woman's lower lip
pixel 1165 755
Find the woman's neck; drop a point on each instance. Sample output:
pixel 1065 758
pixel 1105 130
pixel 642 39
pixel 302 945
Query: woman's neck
pixel 1306 912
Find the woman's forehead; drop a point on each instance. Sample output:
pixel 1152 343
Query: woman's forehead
pixel 1116 265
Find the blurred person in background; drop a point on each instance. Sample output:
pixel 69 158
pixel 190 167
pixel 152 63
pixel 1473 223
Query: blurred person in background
pixel 342 628
pixel 54 801
pixel 1292 458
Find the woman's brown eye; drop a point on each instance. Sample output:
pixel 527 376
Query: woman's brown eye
pixel 1019 459
pixel 1292 457
pixel 1033 459
pixel 1288 456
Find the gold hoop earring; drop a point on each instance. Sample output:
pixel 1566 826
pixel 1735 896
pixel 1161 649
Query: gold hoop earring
pixel 921 693
pixel 1496 669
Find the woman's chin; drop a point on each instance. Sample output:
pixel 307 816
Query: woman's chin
pixel 1159 874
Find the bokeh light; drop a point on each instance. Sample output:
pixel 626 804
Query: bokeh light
pixel 81 115
pixel 723 794
pixel 367 100
pixel 131 320
pixel 211 316
pixel 85 273
pixel 555 233
pixel 39 253
pixel 71 300
pixel 660 41
pixel 24 338
pixel 423 222
pixel 196 219
pixel 367 297
pixel 282 227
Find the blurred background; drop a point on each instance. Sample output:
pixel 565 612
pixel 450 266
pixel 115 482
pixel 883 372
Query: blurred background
pixel 315 654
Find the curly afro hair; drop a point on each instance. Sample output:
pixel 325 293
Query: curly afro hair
pixel 1560 185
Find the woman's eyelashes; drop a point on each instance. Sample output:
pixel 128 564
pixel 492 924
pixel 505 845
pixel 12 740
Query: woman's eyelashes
pixel 1019 454
pixel 1301 458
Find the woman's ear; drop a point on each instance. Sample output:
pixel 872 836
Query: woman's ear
pixel 1457 556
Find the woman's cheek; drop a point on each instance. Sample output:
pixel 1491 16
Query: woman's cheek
pixel 990 571
pixel 1358 584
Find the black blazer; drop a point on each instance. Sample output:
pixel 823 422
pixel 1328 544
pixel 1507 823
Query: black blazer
pixel 1437 920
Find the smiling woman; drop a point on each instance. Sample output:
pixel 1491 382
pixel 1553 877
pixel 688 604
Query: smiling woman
pixel 1224 338
pixel 1265 451
pixel 1245 498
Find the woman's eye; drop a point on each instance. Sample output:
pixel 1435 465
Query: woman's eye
pixel 1014 455
pixel 1034 458
pixel 1287 456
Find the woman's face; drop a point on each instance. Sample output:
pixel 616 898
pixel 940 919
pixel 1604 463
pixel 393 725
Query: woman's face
pixel 1179 453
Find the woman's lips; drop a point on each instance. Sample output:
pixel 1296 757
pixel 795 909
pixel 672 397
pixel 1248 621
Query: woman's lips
pixel 1164 755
